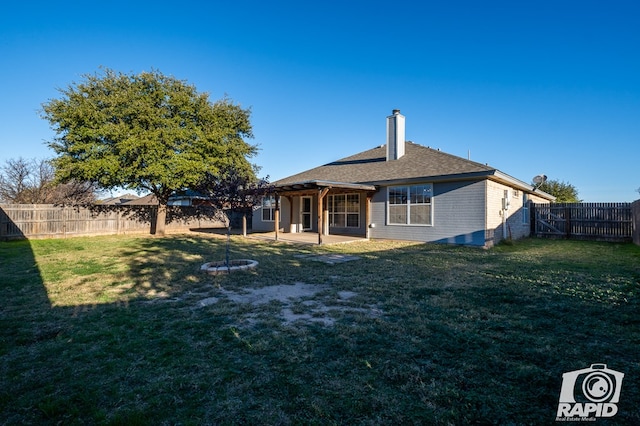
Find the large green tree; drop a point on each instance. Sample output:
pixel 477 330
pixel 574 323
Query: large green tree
pixel 563 191
pixel 146 132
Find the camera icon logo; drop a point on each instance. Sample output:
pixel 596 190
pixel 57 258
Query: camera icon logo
pixel 590 392
pixel 598 387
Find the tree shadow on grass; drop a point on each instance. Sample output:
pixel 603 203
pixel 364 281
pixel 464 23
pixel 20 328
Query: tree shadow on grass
pixel 167 267
pixel 177 216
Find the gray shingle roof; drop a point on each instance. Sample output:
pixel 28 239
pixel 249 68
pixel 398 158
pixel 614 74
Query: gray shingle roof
pixel 371 167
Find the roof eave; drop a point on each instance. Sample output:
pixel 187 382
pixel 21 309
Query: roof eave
pixel 437 178
pixel 311 184
pixel 517 183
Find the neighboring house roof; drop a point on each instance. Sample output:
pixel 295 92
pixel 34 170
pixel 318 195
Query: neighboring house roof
pixel 419 163
pixel 147 200
pixel 151 199
pixel 121 199
pixel 188 194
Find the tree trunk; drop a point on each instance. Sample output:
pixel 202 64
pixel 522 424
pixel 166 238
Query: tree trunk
pixel 160 220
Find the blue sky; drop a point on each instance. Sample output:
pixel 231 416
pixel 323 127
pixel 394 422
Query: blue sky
pixel 547 87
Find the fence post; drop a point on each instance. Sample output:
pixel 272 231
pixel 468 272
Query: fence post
pixel 2 224
pixel 635 224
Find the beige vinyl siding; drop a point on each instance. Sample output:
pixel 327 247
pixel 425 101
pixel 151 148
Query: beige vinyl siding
pixel 258 225
pixel 516 227
pixel 458 216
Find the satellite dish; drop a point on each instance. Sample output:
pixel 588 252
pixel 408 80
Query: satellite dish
pixel 539 179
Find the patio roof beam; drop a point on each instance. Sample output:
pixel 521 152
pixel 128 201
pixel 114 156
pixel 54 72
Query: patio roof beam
pixel 317 184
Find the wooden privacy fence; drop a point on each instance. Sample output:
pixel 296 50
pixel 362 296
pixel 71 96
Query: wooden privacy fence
pixel 635 211
pixel 51 221
pixel 585 221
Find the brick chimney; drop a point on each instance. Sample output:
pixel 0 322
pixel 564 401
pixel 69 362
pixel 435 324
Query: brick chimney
pixel 395 135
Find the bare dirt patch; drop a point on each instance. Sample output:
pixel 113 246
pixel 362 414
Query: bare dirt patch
pixel 330 258
pixel 298 302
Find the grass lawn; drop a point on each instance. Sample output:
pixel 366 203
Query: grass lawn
pixel 127 330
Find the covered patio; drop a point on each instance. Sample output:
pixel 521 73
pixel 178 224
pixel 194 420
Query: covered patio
pixel 312 202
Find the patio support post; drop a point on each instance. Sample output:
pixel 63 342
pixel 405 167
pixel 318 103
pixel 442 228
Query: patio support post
pixel 276 216
pixel 325 219
pixel 290 200
pixel 367 217
pixel 322 192
pixel 319 224
pixel 244 224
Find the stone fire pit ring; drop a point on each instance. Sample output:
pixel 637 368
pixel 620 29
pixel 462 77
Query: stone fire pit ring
pixel 216 268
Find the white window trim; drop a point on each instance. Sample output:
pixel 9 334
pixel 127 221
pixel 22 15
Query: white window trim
pixel 346 212
pixel 432 203
pixel 525 209
pixel 310 212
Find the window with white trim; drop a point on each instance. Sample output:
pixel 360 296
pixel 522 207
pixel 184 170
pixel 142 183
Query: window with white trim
pixel 410 204
pixel 268 208
pixel 344 210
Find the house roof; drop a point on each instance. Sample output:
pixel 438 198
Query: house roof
pixel 371 167
pixel 152 200
pixel 119 199
pixel 316 184
pixel 418 164
pixel 147 200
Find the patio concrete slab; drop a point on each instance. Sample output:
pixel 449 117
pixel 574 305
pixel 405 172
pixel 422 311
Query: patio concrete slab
pixel 306 238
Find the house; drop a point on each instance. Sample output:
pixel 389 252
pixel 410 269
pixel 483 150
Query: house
pixel 147 200
pixel 402 190
pixel 114 201
pixel 179 198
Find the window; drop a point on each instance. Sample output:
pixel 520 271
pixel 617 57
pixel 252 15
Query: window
pixel 410 205
pixel 525 209
pixel 268 208
pixel 344 210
